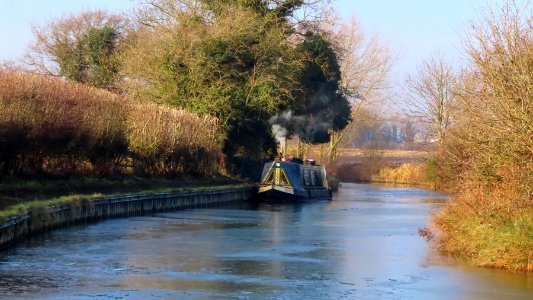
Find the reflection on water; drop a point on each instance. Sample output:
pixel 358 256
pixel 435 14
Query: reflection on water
pixel 363 244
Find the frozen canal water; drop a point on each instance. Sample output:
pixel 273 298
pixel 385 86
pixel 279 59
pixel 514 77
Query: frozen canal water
pixel 362 245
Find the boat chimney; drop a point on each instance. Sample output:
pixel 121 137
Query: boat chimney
pixel 282 147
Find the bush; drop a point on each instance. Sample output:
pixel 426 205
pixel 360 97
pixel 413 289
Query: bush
pixel 489 152
pixel 491 224
pixel 169 141
pixel 51 127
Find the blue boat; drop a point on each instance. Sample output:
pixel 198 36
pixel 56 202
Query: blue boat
pixel 294 179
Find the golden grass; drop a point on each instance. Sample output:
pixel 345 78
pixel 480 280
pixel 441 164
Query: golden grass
pixel 490 225
pixel 168 140
pixel 53 127
pixel 387 154
pixel 408 173
pixel 387 166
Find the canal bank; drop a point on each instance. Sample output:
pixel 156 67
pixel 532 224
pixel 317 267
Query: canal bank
pixel 21 226
pixel 362 245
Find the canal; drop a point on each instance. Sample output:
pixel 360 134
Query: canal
pixel 362 245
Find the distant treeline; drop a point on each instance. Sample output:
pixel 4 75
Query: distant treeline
pixel 51 127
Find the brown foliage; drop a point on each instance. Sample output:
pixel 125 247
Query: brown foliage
pixel 489 153
pixel 426 233
pixel 171 141
pixel 48 126
pixel 492 224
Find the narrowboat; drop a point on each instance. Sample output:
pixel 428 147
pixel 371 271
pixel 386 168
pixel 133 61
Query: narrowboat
pixel 294 179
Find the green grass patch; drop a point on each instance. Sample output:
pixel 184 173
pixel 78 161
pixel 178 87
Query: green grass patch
pixel 38 205
pixel 21 196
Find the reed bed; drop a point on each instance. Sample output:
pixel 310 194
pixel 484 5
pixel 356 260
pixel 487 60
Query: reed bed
pixel 51 127
pixel 172 141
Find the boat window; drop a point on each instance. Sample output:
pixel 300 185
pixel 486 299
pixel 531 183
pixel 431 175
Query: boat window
pixel 283 179
pixel 313 177
pixel 306 177
pixel 270 178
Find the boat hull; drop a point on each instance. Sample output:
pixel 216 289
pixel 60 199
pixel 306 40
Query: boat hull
pixel 282 193
pixel 283 179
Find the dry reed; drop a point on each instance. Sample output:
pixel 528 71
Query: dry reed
pixel 51 127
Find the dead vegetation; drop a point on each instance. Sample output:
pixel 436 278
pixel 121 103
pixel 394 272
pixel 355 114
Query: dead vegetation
pixel 52 128
pixel 488 154
pixel 386 166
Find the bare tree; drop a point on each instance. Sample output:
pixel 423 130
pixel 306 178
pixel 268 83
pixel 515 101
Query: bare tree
pixel 430 94
pixel 365 64
pixel 496 94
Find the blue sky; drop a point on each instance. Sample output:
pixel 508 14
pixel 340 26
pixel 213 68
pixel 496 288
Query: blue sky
pixel 414 29
pixel 17 17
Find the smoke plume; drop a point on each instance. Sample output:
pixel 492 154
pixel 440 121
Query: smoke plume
pixel 313 123
pixel 280 133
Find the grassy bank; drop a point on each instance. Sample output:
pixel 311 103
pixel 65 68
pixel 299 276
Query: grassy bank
pixel 19 196
pixel 487 233
pixel 490 225
pixel 413 174
pixel 489 222
pixel 63 142
pixel 487 154
pixel 414 168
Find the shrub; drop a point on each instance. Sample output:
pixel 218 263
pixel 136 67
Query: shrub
pixel 47 122
pixel 491 224
pixel 171 141
pixel 51 127
pixel 489 153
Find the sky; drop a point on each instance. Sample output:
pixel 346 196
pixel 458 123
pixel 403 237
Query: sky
pixel 17 17
pixel 414 29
